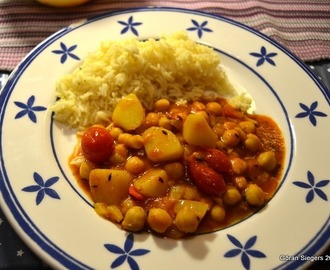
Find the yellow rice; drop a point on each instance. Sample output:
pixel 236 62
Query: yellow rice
pixel 172 67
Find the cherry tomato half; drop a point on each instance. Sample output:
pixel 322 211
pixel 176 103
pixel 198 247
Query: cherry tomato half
pixel 97 144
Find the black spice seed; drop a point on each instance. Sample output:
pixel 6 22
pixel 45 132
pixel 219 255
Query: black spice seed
pixel 109 177
pixel 164 132
pixel 160 180
pixel 199 158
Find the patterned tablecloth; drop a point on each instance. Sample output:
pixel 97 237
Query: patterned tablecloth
pixel 301 26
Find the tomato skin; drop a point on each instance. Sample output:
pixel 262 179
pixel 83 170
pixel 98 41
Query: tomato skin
pixel 206 168
pixel 217 160
pixel 97 144
pixel 206 179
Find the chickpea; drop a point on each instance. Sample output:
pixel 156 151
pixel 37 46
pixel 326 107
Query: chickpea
pixel 119 154
pixel 217 200
pixel 182 116
pixel 164 122
pixel 208 201
pixel 218 213
pixel 174 233
pixel 178 119
pixel 254 195
pixel 221 145
pixel 229 125
pixel 127 204
pixel 252 142
pixel 177 192
pixel 178 124
pixel 124 138
pixel 219 129
pixel 231 196
pixel 186 220
pixel 162 105
pixel 214 108
pixel 239 165
pixel 191 193
pixel 152 119
pixel 134 219
pixel 241 182
pixel 231 137
pixel 132 141
pixel 115 132
pixel 197 106
pixel 159 219
pixel 247 126
pixel 267 160
pixel 241 133
pixel 135 165
pixel 137 142
pixel 204 114
pixel 174 170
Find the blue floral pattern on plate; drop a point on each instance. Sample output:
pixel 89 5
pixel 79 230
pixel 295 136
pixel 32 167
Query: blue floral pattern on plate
pixel 244 250
pixel 29 109
pixel 313 187
pixel 310 112
pixel 66 52
pixel 43 188
pixel 264 57
pixel 126 253
pixel 200 28
pixel 130 25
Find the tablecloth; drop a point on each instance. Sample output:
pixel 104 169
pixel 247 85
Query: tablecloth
pixel 301 26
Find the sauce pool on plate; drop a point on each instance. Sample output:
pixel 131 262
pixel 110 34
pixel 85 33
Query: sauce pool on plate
pixel 179 169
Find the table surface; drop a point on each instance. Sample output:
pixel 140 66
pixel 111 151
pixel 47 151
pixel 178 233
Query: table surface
pixel 14 254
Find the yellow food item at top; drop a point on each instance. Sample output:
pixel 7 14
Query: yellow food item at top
pixel 63 3
pixel 173 67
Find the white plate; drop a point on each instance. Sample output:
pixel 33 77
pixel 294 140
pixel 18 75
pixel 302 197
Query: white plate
pixel 54 216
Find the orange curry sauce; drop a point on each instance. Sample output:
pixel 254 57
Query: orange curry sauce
pixel 250 180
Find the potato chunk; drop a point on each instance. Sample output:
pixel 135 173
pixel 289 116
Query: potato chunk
pixel 199 208
pixel 161 144
pixel 196 131
pixel 109 186
pixel 154 183
pixel 128 113
pixel 189 214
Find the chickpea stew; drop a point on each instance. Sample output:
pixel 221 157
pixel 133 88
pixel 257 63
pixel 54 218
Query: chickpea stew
pixel 179 169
